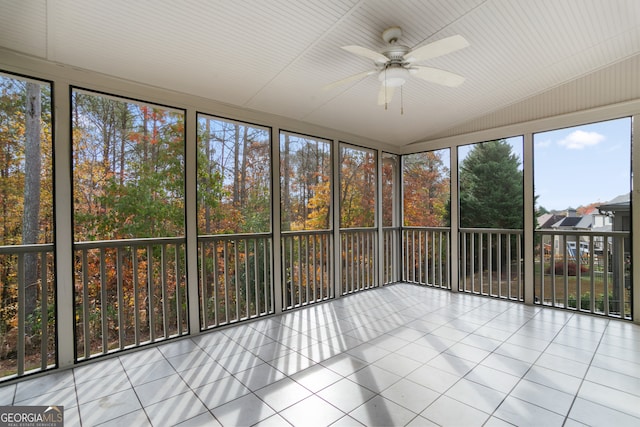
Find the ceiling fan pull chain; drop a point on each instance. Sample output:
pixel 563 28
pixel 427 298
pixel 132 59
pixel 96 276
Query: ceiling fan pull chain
pixel 401 102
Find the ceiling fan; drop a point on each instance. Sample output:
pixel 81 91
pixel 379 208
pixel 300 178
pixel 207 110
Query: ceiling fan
pixel 396 63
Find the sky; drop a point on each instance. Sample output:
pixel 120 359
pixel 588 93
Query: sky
pixel 584 164
pixel 579 165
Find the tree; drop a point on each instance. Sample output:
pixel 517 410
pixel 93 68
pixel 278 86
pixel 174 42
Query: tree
pixel 491 194
pixel 32 170
pixel 426 190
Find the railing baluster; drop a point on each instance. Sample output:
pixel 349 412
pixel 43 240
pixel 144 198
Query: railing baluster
pixel 236 279
pixel 216 283
pixel 120 296
pixel 246 278
pixel 165 291
pixel 605 281
pixel 151 294
pixel 21 315
pixel 490 262
pixel 44 311
pixel 256 291
pixel 566 269
pixel 136 296
pixel 177 291
pixel 85 305
pixel 103 302
pixel 519 243
pixel 578 272
pixel 592 281
pixel 225 259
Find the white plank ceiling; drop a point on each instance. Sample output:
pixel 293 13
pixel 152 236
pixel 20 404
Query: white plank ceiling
pixel 276 55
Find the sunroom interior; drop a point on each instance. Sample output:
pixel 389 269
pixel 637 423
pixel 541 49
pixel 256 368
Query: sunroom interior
pixel 239 223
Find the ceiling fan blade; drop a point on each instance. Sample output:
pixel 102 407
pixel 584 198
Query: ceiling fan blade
pixel 435 75
pixel 385 98
pixel 349 79
pixel 437 48
pixel 367 53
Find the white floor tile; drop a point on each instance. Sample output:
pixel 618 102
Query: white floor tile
pixel 451 358
pixel 283 393
pixel 220 392
pixel 92 371
pixel 30 388
pixel 433 378
pixel 316 378
pixel 612 398
pixel 382 412
pixel 245 411
pixel 102 387
pixel 411 395
pixel 562 365
pixel 135 418
pixel 259 376
pixel 452 364
pixel 493 378
pixel 203 420
pixel 521 413
pixel 346 395
pixel 374 378
pixel 178 347
pixel 476 395
pixel 506 364
pixel 109 407
pixel 554 379
pixel 7 394
pixel 311 412
pixel 175 410
pixel 467 352
pixel 593 414
pixel 194 358
pixel 449 412
pixel 397 364
pixel 205 374
pixel 614 379
pixel 161 389
pixel 153 371
pixel 540 395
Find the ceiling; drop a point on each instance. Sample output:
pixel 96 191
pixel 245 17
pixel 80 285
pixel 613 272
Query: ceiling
pixel 277 55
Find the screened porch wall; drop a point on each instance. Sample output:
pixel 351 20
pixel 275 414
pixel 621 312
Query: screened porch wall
pixel 386 245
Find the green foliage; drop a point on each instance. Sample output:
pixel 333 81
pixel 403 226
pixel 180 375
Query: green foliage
pixel 585 302
pixel 491 192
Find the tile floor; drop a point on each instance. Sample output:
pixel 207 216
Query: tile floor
pixel 393 356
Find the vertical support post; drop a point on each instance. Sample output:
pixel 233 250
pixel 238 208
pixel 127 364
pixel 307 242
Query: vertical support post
pixel 635 219
pixel 64 231
pixel 335 214
pixel 276 238
pixel 454 255
pixel 528 220
pixel 379 256
pixel 191 223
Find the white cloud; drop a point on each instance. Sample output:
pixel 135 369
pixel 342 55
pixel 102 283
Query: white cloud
pixel 543 144
pixel 579 139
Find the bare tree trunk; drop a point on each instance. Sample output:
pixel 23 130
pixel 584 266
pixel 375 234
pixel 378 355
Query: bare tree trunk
pixel 243 171
pixel 286 193
pixel 207 208
pixel 236 161
pixel 123 138
pixel 30 220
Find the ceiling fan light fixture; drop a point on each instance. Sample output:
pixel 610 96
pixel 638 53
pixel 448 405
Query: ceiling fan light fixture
pixel 393 76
